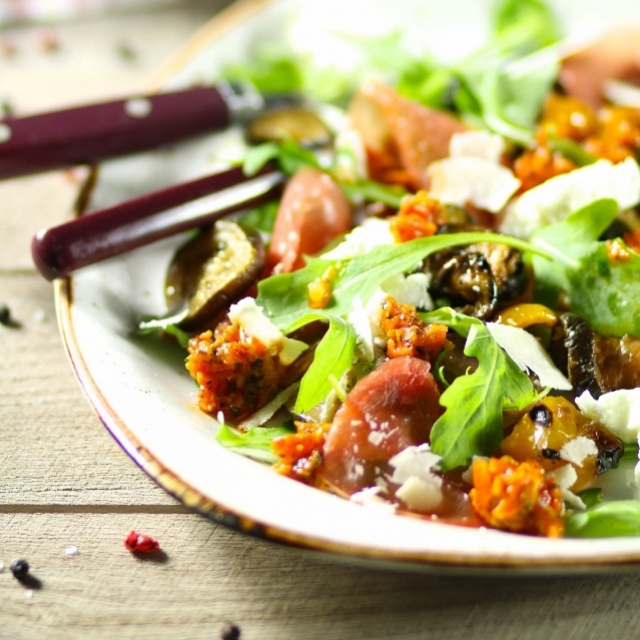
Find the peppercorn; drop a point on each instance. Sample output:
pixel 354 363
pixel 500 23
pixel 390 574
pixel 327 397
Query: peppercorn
pixel 19 568
pixel 230 632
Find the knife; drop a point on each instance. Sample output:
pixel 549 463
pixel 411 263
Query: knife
pixel 94 132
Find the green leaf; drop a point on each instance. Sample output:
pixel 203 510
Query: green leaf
pixel 284 297
pixel 289 155
pixel 332 359
pixel 151 326
pixel 472 422
pixel 269 71
pixel 253 443
pixel 261 218
pixel 371 191
pixel 605 292
pixel 605 520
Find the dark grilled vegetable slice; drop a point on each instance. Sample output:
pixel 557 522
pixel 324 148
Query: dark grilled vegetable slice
pixel 593 363
pixel 291 123
pixel 211 271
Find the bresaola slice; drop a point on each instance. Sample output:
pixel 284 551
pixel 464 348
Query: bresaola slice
pixel 391 408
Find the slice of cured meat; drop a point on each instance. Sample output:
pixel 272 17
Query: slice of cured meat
pixel 388 410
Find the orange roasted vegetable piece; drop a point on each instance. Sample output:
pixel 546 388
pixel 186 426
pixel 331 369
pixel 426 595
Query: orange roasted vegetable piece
pixel 417 217
pixel 236 373
pixel 407 334
pixel 300 453
pixel 516 496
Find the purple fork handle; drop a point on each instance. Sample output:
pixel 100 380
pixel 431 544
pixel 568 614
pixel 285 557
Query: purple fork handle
pixel 91 133
pixel 60 250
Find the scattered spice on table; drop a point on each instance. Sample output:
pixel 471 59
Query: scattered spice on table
pixel 141 543
pixel 230 632
pixel 6 319
pixel 19 568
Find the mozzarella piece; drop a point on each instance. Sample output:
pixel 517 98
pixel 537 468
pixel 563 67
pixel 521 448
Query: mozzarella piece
pixel 250 317
pixel 528 354
pixel 555 199
pixel 464 179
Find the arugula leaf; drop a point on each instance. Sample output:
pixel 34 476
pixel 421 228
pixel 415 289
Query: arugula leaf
pixel 605 292
pixel 472 422
pixel 607 519
pixel 332 358
pixel 253 443
pixel 270 72
pixel 372 191
pixel 151 326
pixel 289 155
pixel 284 297
pixel 261 218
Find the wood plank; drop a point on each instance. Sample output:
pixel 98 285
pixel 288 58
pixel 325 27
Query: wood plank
pixel 212 575
pixel 54 448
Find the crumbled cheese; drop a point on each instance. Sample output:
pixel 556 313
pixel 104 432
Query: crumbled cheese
pixel 421 489
pixel 553 200
pixel 528 354
pixel 411 289
pixel 565 477
pixel 372 233
pixel 350 156
pixel 477 144
pixel 254 323
pixel 464 179
pixel 619 411
pixel 577 450
pixel 370 497
pixel 419 494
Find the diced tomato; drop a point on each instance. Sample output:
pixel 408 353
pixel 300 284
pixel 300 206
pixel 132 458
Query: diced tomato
pixel 388 410
pixel 312 213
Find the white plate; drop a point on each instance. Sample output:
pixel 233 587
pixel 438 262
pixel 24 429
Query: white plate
pixel 145 397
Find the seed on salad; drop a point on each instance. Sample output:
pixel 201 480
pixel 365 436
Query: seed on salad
pixel 19 568
pixel 541 415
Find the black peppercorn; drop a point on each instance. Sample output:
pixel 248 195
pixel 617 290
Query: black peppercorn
pixel 19 568
pixel 230 632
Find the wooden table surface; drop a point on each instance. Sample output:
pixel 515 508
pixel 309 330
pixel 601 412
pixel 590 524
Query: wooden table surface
pixel 66 485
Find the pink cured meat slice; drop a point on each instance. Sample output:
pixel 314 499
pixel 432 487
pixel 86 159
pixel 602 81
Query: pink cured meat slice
pixel 388 410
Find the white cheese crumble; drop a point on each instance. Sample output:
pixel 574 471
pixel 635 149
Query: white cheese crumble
pixel 411 289
pixel 251 319
pixel 528 354
pixel 577 450
pixel 420 489
pixel 477 144
pixel 464 179
pixel 372 233
pixel 370 497
pixel 565 477
pixel 619 411
pixel 553 200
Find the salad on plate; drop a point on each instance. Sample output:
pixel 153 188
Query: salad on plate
pixel 439 316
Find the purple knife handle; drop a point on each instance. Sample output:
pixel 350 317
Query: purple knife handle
pixel 60 250
pixel 91 133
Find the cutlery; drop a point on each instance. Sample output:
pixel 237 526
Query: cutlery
pixel 58 251
pixel 94 132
